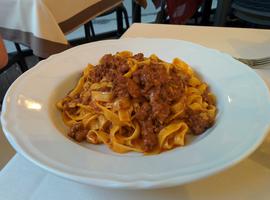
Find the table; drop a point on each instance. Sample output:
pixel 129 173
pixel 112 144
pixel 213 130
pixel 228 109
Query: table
pixel 42 24
pixel 250 179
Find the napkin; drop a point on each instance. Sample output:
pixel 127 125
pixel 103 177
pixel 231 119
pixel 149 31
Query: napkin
pixel 22 180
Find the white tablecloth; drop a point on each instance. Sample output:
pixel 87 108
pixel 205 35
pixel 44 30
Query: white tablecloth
pixel 248 180
pixel 42 24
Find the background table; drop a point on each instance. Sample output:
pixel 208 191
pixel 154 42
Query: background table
pixel 248 180
pixel 42 24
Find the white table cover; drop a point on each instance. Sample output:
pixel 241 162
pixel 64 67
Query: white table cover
pixel 42 24
pixel 248 180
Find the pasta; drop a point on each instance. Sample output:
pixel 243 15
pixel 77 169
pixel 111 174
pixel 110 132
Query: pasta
pixel 134 103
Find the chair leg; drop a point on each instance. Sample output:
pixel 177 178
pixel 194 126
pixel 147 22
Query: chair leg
pixel 136 12
pixel 206 12
pixel 223 8
pixel 92 29
pixel 119 18
pixel 124 10
pixel 87 32
pixel 21 60
pixel 162 15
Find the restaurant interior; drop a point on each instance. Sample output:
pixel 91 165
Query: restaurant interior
pixel 33 32
pixel 109 24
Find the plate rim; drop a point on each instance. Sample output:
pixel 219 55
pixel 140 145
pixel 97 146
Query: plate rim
pixel 121 184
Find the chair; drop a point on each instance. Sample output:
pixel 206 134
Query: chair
pixel 90 35
pixel 255 12
pixel 16 57
pixel 120 12
pixel 9 61
pixel 200 16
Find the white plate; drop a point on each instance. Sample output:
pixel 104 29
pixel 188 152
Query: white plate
pixel 35 129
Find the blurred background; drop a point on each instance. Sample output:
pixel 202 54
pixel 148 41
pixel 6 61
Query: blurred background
pixel 232 13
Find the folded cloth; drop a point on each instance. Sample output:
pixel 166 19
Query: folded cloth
pixel 22 180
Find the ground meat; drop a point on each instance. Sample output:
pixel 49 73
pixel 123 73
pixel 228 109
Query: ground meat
pixel 150 86
pixel 150 139
pixel 170 94
pixel 107 59
pixel 196 122
pixel 143 111
pixel 138 56
pixel 174 89
pixel 154 89
pixel 133 88
pixel 152 76
pixel 117 63
pixel 184 77
pixel 123 68
pixel 148 93
pixel 160 111
pixel 120 87
pixel 136 77
pixel 97 74
pixel 78 132
pixel 110 75
pixel 109 67
pixel 157 127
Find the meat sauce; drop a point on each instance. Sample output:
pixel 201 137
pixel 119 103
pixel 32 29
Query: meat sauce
pixel 150 86
pixel 153 89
